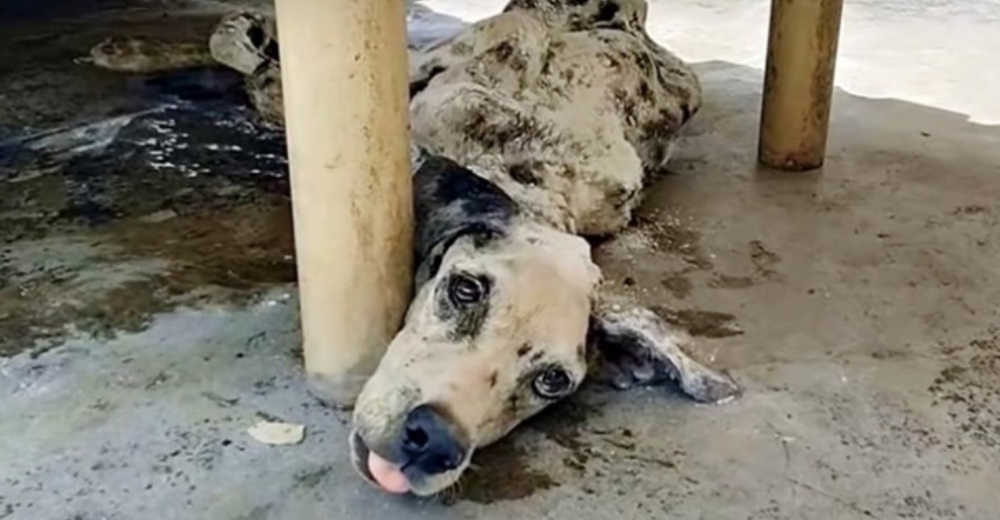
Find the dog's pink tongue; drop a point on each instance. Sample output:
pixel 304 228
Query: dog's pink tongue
pixel 387 475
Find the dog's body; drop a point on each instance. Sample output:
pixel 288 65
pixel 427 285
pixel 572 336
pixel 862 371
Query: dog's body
pixel 531 129
pixel 564 117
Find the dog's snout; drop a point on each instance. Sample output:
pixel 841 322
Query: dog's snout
pixel 430 441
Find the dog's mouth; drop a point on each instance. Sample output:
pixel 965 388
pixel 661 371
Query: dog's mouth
pixel 359 457
pixel 377 470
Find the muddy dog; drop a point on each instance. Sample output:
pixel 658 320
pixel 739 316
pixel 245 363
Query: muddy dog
pixel 532 129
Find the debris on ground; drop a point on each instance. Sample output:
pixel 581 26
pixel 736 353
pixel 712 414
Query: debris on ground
pixel 277 433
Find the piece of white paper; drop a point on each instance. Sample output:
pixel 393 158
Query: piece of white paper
pixel 277 433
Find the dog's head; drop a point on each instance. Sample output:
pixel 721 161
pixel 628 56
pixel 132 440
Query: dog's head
pixel 499 329
pixel 495 333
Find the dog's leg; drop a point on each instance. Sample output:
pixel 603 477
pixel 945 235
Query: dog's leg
pixel 141 55
pixel 242 40
pixel 245 41
pixel 633 346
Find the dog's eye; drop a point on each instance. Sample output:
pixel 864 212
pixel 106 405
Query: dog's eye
pixel 552 383
pixel 256 36
pixel 466 290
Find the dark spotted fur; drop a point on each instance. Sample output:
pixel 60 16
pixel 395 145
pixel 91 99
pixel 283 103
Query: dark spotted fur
pixel 451 202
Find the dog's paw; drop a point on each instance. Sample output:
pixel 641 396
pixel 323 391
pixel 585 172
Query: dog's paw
pixel 711 387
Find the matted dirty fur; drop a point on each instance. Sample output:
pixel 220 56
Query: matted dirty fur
pixel 530 129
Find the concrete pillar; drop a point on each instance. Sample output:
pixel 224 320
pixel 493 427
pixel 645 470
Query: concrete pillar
pixel 344 76
pixel 798 83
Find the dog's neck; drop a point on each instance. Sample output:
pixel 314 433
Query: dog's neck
pixel 543 207
pixel 572 15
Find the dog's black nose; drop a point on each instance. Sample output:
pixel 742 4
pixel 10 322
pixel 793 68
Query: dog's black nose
pixel 431 442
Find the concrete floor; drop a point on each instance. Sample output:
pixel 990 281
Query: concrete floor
pixel 148 315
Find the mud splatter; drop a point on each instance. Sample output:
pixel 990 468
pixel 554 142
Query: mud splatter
pixel 671 237
pixel 725 281
pixel 677 285
pixel 972 209
pixel 764 260
pixel 312 478
pixel 970 388
pixel 501 472
pixel 564 423
pixel 699 323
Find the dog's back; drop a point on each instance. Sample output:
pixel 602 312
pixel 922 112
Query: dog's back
pixel 567 107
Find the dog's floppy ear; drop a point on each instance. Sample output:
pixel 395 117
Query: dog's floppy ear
pixel 636 348
pixel 451 202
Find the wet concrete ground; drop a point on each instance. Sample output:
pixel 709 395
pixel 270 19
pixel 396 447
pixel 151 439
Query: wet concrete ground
pixel 148 311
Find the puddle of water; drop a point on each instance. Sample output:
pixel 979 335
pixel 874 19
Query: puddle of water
pixel 197 183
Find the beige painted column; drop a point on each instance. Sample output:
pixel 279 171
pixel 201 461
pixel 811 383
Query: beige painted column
pixel 798 83
pixel 344 77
